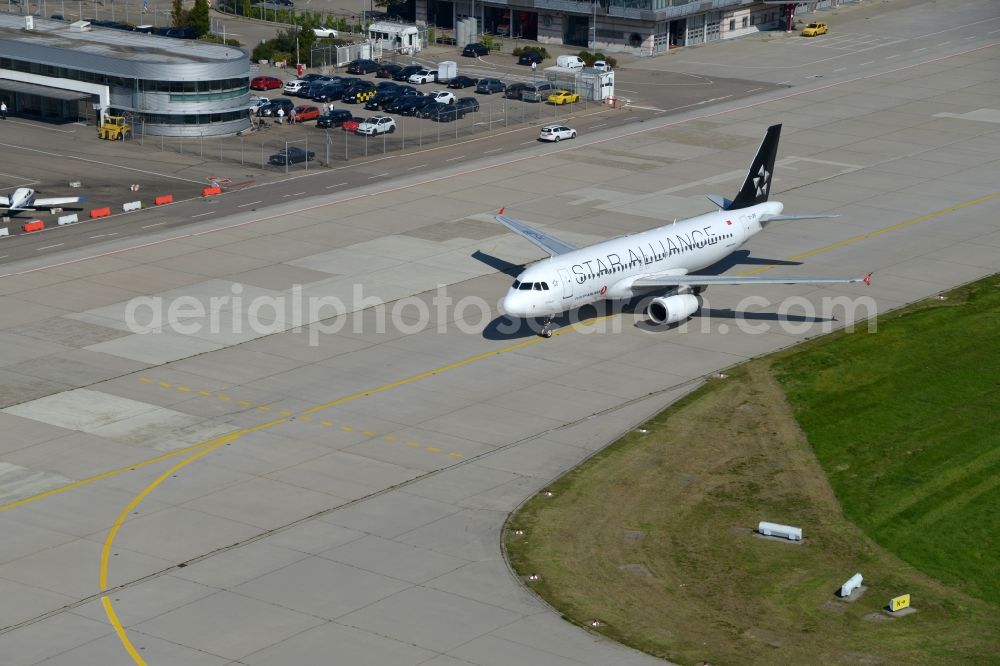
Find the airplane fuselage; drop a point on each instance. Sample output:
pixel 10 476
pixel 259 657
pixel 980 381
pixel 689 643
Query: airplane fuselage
pixel 608 269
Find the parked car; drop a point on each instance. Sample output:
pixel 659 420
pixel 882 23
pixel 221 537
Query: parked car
pixel 304 113
pixel 556 133
pixel 418 104
pixel 386 86
pixel 310 77
pixel 538 92
pixel 377 125
pixel 529 57
pixel 334 118
pixel 423 76
pixel 462 81
pixel 324 32
pixel 271 109
pixel 570 62
pixel 293 86
pixel 814 29
pixel 515 90
pixel 362 66
pixel 329 92
pixel 360 92
pixel 446 113
pixel 561 97
pixel 383 99
pixel 352 124
pixel 291 155
pixel 475 50
pixel 311 90
pixel 265 83
pixel 490 86
pixel 442 96
pixel 387 70
pixel 601 66
pixel 405 73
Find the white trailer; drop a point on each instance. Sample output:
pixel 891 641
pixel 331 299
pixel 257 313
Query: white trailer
pixel 398 37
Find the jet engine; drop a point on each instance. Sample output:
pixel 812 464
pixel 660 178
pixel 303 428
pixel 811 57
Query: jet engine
pixel 673 309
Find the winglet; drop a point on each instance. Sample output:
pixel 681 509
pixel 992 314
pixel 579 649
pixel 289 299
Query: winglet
pixel 868 280
pixel 502 209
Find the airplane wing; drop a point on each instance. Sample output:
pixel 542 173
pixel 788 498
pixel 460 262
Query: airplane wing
pixel 765 218
pixel 4 202
pixel 55 201
pixel 709 280
pixel 548 243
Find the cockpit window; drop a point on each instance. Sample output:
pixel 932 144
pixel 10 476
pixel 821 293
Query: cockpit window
pixel 517 283
pixel 545 286
pixel 537 286
pixel 525 286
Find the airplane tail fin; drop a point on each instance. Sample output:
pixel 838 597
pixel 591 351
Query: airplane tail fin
pixel 757 185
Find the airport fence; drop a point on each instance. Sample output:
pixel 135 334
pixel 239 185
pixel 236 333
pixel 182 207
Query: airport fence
pixel 332 147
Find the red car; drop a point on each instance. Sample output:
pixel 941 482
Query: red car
pixel 352 124
pixel 265 83
pixel 304 113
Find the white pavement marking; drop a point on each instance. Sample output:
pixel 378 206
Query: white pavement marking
pixel 252 203
pixel 150 226
pixel 892 56
pixel 203 214
pixel 378 175
pixel 49 247
pixel 452 159
pixel 866 63
pixel 419 166
pixel 337 185
pixel 495 150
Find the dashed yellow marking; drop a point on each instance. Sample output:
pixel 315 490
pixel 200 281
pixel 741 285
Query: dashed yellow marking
pixel 145 380
pixel 389 438
pixel 245 403
pixel 223 397
pixel 183 389
pixel 305 418
pixel 322 423
pixel 204 393
pixel 264 408
pixel 285 412
pixel 455 455
pixel 411 444
pixel 346 428
pixel 368 433
pixel 433 449
pixel 165 384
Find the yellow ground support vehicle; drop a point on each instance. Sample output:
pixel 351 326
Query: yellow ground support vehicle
pixel 114 128
pixel 813 29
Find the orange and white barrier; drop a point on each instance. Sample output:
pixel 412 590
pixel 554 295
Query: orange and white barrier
pixel 34 225
pixel 131 205
pixel 163 199
pixel 4 231
pixel 211 191
pixel 68 219
pixel 100 212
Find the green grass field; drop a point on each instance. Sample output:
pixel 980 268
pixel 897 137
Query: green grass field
pixel 653 536
pixel 906 425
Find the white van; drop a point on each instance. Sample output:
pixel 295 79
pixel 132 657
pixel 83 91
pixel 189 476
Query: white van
pixel 571 61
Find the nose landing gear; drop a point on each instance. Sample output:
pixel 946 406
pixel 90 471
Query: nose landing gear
pixel 546 331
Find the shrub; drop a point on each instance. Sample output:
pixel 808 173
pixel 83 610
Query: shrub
pixel 540 50
pixel 590 58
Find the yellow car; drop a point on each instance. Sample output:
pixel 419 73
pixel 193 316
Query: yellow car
pixel 563 97
pixel 814 28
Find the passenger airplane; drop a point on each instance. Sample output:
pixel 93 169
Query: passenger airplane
pixel 24 199
pixel 661 259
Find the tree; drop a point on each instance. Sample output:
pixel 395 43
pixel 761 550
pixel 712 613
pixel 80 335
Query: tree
pixel 198 17
pixel 178 14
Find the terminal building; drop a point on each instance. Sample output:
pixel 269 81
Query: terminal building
pixel 644 27
pixel 164 86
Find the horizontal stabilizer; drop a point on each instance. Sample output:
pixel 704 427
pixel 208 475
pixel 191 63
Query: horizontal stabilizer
pixel 722 202
pixel 765 218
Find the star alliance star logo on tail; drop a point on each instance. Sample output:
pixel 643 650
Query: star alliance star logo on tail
pixel 762 180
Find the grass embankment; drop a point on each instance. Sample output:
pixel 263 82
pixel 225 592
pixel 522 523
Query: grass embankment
pixel 653 536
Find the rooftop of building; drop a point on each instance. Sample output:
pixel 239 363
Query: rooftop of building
pixel 112 43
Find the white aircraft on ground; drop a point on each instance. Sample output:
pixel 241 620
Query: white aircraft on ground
pixel 661 259
pixel 24 199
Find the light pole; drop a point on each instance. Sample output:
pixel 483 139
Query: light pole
pixel 593 28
